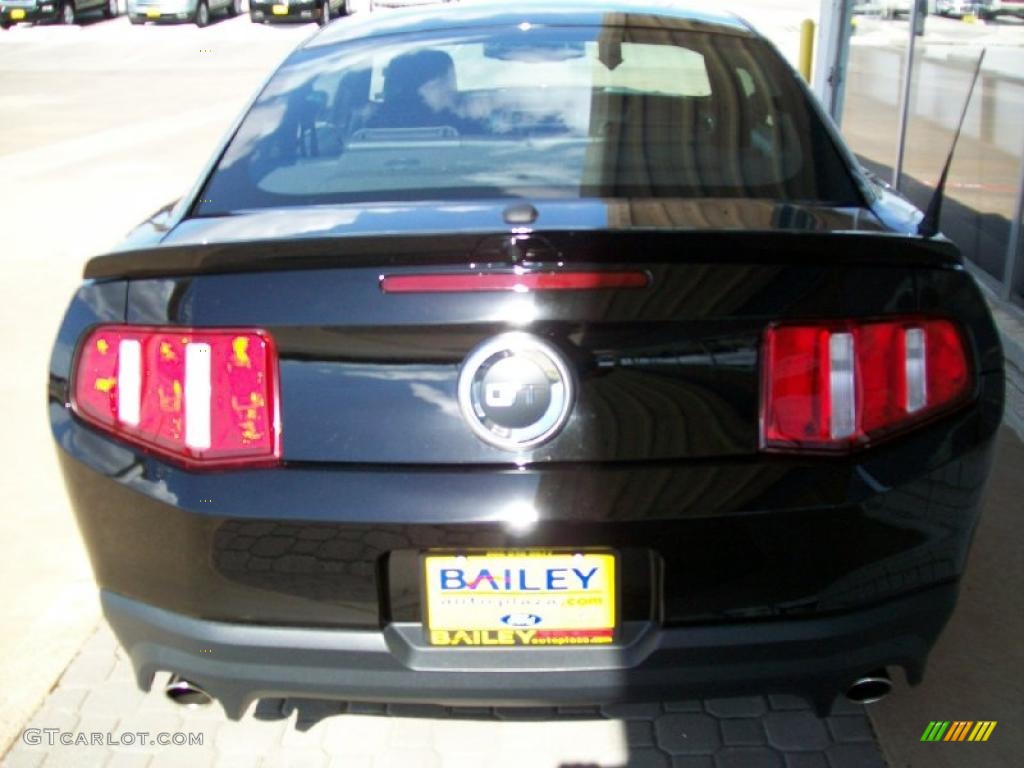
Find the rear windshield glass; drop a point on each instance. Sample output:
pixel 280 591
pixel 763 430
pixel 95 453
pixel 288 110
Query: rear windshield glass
pixel 543 112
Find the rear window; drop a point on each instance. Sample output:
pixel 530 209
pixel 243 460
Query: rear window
pixel 530 112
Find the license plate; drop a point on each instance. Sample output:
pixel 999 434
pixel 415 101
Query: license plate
pixel 280 10
pixel 17 14
pixel 520 598
pixel 153 14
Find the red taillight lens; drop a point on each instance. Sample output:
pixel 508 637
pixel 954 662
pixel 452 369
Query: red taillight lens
pixel 832 386
pixel 203 397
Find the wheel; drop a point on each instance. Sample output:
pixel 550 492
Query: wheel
pixel 235 8
pixel 343 11
pixel 67 13
pixel 110 9
pixel 325 13
pixel 202 14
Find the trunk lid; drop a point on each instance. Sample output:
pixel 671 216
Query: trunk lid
pixel 663 372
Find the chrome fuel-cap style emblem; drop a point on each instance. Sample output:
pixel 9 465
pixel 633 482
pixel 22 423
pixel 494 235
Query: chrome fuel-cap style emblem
pixel 516 391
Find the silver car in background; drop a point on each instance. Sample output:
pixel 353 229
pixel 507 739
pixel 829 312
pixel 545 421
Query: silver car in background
pixel 197 11
pixel 887 9
pixel 986 9
pixel 403 3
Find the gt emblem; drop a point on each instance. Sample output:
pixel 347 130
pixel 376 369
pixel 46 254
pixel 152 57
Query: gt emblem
pixel 503 394
pixel 515 391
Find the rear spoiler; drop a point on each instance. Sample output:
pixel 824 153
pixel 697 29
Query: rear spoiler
pixel 590 247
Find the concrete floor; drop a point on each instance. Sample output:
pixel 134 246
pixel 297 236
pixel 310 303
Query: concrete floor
pixel 976 671
pixel 102 124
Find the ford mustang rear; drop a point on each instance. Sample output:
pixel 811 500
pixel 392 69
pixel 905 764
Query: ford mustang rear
pixel 552 354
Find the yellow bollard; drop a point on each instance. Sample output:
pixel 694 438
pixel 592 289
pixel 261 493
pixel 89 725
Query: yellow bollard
pixel 806 48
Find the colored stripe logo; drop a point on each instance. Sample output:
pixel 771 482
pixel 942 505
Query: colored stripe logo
pixel 958 730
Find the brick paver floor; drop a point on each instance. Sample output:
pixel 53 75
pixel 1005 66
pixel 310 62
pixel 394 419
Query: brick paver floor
pixel 97 694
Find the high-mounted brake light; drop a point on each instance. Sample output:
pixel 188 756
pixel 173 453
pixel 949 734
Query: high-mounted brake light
pixel 834 386
pixel 204 397
pixel 520 282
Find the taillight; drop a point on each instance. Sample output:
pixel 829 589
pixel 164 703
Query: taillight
pixel 205 397
pixel 834 386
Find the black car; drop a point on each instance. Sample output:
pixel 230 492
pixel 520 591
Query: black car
pixel 63 11
pixel 264 11
pixel 533 353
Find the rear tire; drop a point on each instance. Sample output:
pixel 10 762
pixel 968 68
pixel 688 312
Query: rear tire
pixel 110 9
pixel 235 8
pixel 202 14
pixel 325 13
pixel 67 13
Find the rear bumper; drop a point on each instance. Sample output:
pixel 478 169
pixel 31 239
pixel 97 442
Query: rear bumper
pixel 166 12
pixel 26 15
pixel 816 658
pixel 295 11
pixel 171 18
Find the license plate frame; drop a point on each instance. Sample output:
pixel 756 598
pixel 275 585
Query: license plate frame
pixel 537 616
pixel 279 9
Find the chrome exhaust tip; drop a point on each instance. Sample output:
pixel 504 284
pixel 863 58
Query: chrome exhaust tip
pixel 870 688
pixel 185 693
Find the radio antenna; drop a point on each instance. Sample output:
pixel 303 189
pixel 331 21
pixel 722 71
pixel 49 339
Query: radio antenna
pixel 929 226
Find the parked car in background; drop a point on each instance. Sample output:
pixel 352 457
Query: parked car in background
pixel 197 11
pixel 529 352
pixel 404 3
pixel 321 11
pixel 984 9
pixel 887 9
pixel 958 8
pixel 991 9
pixel 63 11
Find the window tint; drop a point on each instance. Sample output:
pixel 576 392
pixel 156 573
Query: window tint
pixel 546 112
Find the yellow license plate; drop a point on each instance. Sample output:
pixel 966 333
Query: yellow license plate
pixel 153 14
pixel 280 10
pixel 17 14
pixel 520 598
